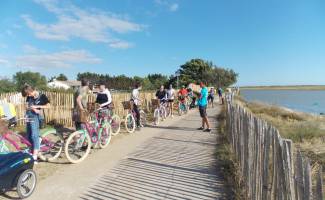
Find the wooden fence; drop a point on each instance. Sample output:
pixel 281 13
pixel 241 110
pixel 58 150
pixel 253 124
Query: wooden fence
pixel 63 103
pixel 270 166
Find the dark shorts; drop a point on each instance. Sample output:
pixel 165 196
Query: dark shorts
pixel 170 100
pixel 203 111
pixel 210 98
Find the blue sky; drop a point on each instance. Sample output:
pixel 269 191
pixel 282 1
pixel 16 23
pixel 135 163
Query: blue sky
pixel 267 42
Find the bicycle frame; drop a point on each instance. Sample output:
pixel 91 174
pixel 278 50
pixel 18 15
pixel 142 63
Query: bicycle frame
pixel 23 141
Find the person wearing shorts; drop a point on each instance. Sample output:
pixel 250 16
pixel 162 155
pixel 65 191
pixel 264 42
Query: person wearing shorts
pixel 171 98
pixel 211 96
pixel 203 103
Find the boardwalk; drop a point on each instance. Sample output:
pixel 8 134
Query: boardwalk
pixel 172 161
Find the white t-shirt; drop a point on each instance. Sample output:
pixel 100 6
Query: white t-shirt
pixel 135 96
pixel 171 94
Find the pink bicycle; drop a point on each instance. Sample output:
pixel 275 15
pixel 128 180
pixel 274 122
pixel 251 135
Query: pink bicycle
pixel 51 143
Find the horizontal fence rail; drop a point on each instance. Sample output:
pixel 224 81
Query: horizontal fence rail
pixel 270 167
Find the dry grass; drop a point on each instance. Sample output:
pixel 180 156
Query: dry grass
pixel 227 161
pixel 299 127
pixel 305 130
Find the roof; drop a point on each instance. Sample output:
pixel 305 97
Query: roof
pixel 71 83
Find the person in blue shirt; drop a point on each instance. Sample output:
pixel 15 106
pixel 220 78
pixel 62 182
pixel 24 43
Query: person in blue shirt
pixel 203 103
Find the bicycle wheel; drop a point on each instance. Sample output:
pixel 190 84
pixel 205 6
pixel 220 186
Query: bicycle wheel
pixel 180 111
pixel 156 116
pixel 129 123
pixel 115 125
pixel 52 145
pixel 77 146
pixel 106 136
pixel 26 183
pixel 143 118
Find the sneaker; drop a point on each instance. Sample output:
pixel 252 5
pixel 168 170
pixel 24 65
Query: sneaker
pixel 201 128
pixel 207 130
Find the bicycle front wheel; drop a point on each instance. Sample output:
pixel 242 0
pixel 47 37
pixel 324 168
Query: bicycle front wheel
pixel 115 125
pixel 51 146
pixel 77 146
pixel 106 136
pixel 129 123
pixel 143 118
pixel 156 116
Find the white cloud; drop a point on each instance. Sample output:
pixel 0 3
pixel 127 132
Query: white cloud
pixel 73 22
pixel 4 62
pixel 30 49
pixel 63 59
pixel 121 45
pixel 171 6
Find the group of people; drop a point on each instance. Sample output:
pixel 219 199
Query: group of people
pixel 168 96
pixel 37 102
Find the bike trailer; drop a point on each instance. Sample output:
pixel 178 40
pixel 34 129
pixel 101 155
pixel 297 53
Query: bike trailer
pixel 16 171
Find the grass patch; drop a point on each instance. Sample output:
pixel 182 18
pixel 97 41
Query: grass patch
pixel 227 161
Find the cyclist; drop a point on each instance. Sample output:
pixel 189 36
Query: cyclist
pixel 171 97
pixel 35 103
pixel 80 103
pixel 182 94
pixel 135 99
pixel 104 97
pixel 161 94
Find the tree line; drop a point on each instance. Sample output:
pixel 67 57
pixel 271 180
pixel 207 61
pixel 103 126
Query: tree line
pixel 193 71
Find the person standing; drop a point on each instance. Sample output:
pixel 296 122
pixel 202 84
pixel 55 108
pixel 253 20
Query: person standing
pixel 35 103
pixel 220 95
pixel 135 99
pixel 80 104
pixel 203 102
pixel 211 97
pixel 104 97
pixel 171 98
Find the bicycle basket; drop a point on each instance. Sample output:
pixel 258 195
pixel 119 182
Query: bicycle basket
pixel 155 102
pixel 126 105
pixel 3 126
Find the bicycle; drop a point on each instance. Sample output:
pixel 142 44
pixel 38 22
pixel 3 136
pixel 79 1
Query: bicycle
pixel 130 119
pixel 182 106
pixel 113 119
pixel 51 143
pixel 95 132
pixel 161 110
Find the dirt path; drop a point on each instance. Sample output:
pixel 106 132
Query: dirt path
pixel 172 161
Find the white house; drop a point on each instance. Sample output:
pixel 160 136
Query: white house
pixel 70 84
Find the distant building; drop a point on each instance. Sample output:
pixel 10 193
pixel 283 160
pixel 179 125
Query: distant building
pixel 70 84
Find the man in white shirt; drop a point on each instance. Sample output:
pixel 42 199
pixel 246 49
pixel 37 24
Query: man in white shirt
pixel 171 97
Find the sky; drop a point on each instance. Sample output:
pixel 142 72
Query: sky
pixel 271 42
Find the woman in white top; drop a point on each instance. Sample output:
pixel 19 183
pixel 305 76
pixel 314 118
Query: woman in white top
pixel 171 97
pixel 135 97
